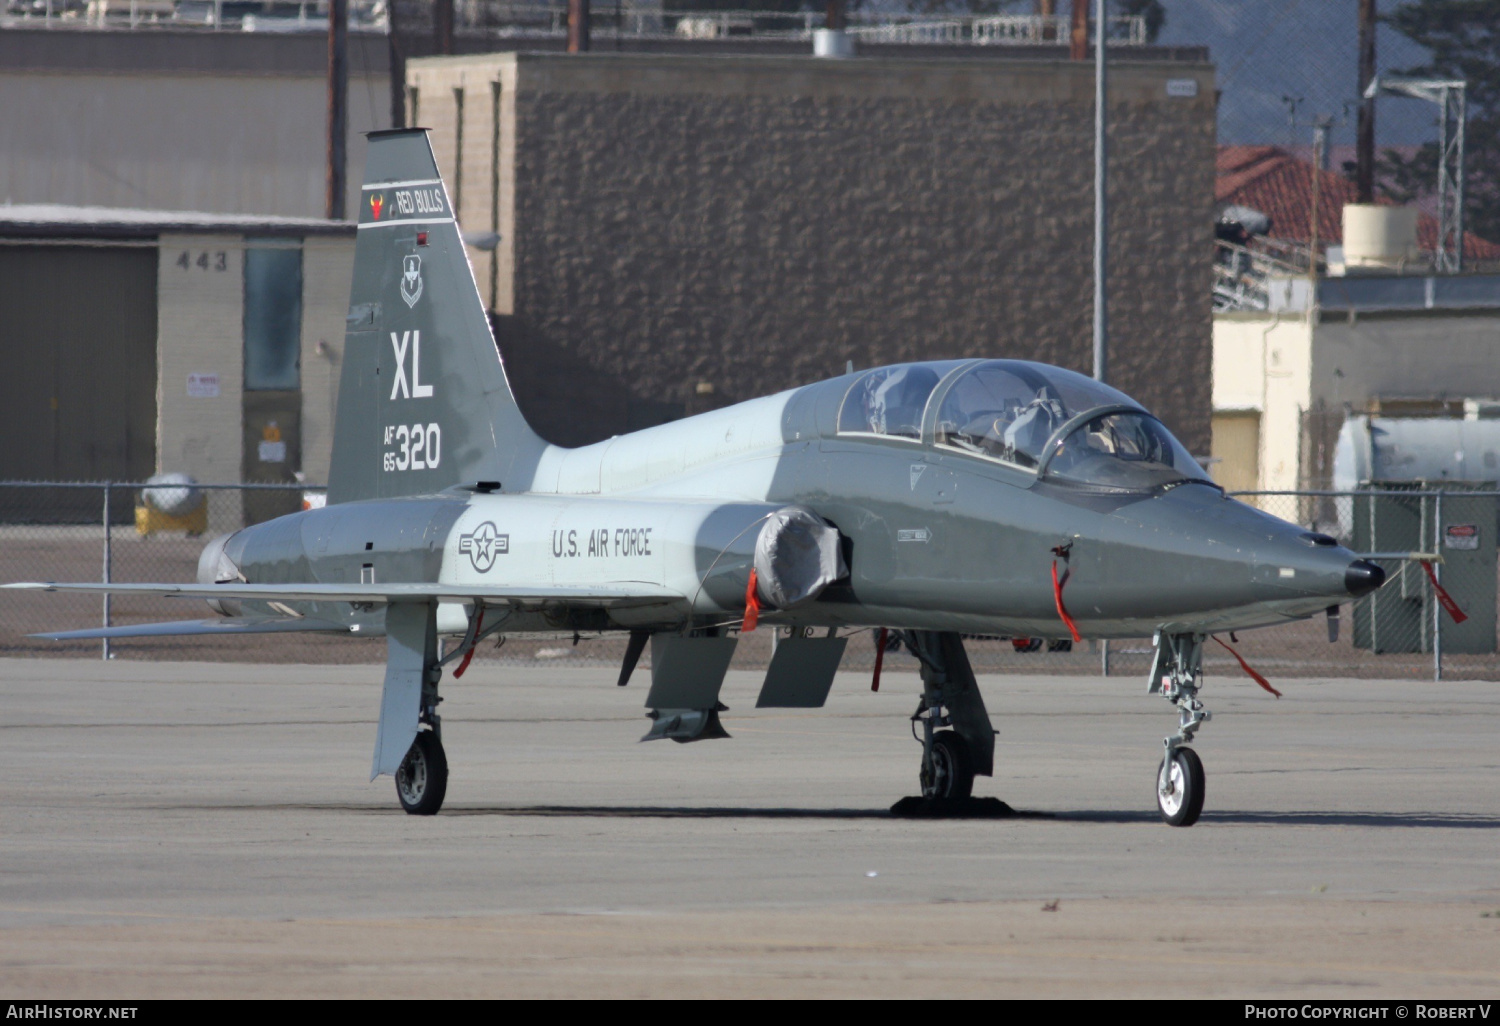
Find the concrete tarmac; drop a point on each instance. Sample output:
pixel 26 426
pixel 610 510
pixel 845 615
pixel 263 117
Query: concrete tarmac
pixel 196 829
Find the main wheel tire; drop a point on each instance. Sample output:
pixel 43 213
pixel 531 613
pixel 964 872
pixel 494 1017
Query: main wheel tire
pixel 422 778
pixel 1180 787
pixel 951 774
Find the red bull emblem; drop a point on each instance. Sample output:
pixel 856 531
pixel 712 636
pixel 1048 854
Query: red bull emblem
pixel 377 202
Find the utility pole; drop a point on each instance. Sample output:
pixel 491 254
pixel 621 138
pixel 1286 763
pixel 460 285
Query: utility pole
pixel 1078 43
pixel 1101 213
pixel 338 108
pixel 397 58
pixel 442 26
pixel 1364 168
pixel 834 18
pixel 578 26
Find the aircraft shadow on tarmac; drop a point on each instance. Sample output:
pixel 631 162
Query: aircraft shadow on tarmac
pixel 1406 820
pixel 1431 821
pixel 698 812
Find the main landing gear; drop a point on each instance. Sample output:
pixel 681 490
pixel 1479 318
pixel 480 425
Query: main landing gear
pixel 1176 675
pixel 947 767
pixel 422 778
pixel 957 739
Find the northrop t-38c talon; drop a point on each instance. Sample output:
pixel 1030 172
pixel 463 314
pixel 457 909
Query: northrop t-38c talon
pixel 926 500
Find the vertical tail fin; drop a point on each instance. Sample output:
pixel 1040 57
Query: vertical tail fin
pixel 424 402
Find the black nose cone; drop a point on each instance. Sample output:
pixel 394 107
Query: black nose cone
pixel 1363 577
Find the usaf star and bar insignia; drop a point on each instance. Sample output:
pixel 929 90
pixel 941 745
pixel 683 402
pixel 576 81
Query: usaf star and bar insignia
pixel 482 545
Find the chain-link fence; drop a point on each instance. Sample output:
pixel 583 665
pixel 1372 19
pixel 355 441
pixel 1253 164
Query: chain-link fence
pixel 1436 546
pixel 108 532
pixel 81 532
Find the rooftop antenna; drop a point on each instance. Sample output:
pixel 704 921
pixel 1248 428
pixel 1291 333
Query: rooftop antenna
pixel 1322 125
pixel 1449 95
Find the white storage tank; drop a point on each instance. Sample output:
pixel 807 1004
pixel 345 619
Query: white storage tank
pixel 1379 237
pixel 1415 449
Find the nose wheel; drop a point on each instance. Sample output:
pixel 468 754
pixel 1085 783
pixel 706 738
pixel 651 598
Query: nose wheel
pixel 1179 787
pixel 422 779
pixel 1177 675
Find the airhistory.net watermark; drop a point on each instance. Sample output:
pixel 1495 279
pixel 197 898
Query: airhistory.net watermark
pixel 67 1010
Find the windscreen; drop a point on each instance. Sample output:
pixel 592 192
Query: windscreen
pixel 1008 409
pixel 1123 452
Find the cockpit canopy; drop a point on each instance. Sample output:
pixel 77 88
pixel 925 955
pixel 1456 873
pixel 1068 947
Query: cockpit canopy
pixel 1123 451
pixel 1025 415
pixel 892 400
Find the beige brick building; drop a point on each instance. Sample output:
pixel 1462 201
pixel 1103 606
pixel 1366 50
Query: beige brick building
pixel 683 231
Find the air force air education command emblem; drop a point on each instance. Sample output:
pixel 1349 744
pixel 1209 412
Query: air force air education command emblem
pixel 482 545
pixel 411 279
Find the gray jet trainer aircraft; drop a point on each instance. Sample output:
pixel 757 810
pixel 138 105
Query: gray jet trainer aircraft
pixel 925 500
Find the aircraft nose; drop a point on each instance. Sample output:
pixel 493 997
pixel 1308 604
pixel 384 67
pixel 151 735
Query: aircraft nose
pixel 1363 577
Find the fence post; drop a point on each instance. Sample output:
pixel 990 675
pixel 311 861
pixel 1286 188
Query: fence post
pixel 1437 575
pixel 1104 657
pixel 107 560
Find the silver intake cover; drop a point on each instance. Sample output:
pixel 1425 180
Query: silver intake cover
pixel 215 567
pixel 797 555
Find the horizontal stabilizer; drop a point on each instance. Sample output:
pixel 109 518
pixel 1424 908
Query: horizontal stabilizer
pixel 633 594
pixel 221 625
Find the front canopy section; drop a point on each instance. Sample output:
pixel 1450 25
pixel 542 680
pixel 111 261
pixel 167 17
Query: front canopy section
pixel 1007 410
pixel 1121 451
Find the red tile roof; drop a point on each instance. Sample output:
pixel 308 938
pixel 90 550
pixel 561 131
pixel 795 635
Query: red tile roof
pixel 1271 180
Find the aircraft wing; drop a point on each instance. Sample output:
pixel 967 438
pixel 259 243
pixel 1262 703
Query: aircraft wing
pixel 630 594
pixel 219 625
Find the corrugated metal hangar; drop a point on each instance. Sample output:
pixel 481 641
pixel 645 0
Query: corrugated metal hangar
pixel 138 342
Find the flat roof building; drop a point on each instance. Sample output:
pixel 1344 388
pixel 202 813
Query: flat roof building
pixel 143 341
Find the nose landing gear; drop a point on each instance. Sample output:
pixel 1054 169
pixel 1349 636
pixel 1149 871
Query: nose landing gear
pixel 1179 787
pixel 1176 675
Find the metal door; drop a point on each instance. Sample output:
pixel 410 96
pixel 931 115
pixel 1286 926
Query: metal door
pixel 78 342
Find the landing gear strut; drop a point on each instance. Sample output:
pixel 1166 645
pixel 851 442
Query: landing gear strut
pixel 957 739
pixel 1176 675
pixel 422 778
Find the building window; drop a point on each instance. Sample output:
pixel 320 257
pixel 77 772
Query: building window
pixel 273 314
